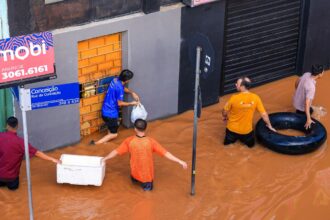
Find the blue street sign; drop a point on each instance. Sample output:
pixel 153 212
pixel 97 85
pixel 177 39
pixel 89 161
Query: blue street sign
pixel 56 95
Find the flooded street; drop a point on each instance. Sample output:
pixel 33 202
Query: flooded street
pixel 232 182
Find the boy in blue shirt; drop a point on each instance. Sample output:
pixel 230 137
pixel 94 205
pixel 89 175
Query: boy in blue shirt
pixel 112 101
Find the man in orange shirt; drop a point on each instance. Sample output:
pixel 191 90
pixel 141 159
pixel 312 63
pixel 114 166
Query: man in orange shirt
pixel 239 111
pixel 141 149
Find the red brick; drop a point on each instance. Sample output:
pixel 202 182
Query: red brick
pixel 96 42
pixel 96 107
pixel 91 100
pixel 88 53
pixel 85 110
pixel 83 45
pixel 84 79
pixel 91 116
pixel 117 63
pixel 83 63
pixel 112 38
pixel 115 71
pixel 117 46
pixel 97 59
pixel 113 56
pixel 89 69
pixel 104 66
pixel 101 97
pixel 105 50
pixel 97 75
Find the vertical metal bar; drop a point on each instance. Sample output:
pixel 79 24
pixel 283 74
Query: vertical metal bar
pixel 193 166
pixel 27 155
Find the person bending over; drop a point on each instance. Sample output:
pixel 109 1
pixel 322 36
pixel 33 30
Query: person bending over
pixel 141 149
pixel 112 101
pixel 305 92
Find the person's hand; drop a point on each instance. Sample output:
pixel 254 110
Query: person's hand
pixel 135 97
pixel 103 160
pixel 183 164
pixel 270 127
pixel 56 161
pixel 308 124
pixel 134 103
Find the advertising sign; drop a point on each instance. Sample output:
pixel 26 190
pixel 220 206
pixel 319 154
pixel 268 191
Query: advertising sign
pixel 26 59
pixel 56 95
pixel 193 3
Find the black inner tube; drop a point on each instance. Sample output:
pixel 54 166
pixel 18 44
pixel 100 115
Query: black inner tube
pixel 287 144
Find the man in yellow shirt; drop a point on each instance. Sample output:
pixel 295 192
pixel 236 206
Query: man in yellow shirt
pixel 238 113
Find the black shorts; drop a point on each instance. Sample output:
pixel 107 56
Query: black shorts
pixel 112 124
pixel 12 185
pixel 303 112
pixel 148 186
pixel 232 137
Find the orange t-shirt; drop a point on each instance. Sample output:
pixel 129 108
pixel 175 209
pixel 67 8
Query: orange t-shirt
pixel 141 159
pixel 241 108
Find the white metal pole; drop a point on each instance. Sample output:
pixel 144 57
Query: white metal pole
pixel 26 147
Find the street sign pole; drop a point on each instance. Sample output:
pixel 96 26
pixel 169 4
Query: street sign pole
pixel 193 166
pixel 25 104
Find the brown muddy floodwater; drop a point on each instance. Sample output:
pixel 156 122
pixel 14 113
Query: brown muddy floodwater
pixel 231 182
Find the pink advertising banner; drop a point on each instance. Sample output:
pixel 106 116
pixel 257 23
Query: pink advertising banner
pixel 26 59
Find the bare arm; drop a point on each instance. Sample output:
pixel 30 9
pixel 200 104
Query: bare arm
pixel 111 155
pixel 309 120
pixel 171 157
pixel 267 121
pixel 224 115
pixel 122 103
pixel 134 95
pixel 46 157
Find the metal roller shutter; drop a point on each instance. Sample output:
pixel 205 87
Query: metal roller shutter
pixel 261 40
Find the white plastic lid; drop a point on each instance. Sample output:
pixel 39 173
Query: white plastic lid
pixel 79 160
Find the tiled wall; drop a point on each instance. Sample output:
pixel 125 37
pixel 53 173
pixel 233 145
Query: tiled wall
pixel 98 58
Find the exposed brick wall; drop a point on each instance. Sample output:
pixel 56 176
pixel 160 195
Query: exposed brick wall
pixel 97 58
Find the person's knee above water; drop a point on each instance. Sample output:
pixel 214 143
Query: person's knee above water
pixel 238 113
pixel 114 99
pixel 141 149
pixel 305 91
pixel 11 155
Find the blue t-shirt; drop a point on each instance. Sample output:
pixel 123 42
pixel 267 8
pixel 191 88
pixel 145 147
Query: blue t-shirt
pixel 115 92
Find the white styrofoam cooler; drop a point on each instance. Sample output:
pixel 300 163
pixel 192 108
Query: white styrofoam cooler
pixel 80 170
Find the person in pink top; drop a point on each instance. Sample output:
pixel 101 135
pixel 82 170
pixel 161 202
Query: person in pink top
pixel 12 153
pixel 305 92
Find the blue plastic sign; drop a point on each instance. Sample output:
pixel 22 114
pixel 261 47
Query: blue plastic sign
pixel 56 95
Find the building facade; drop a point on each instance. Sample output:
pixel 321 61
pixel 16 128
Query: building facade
pixel 95 39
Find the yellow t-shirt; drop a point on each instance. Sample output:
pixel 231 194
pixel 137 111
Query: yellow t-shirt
pixel 241 108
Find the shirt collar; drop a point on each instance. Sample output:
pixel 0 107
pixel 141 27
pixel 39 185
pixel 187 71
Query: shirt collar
pixel 12 133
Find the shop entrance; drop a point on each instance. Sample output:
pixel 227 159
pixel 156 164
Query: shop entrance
pixel 261 41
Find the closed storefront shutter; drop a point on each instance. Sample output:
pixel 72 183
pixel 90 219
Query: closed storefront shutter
pixel 261 40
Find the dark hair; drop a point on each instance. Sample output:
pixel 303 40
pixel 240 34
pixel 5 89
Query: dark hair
pixel 246 82
pixel 317 69
pixel 125 75
pixel 140 124
pixel 12 122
